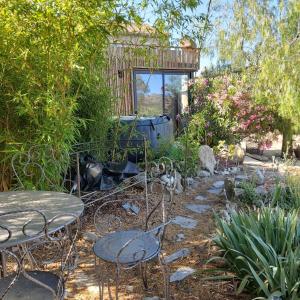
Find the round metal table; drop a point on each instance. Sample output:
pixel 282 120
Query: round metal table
pixel 51 204
pixel 144 246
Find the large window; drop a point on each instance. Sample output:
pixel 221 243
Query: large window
pixel 161 92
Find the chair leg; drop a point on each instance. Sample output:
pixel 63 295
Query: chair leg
pixel 117 281
pixel 143 270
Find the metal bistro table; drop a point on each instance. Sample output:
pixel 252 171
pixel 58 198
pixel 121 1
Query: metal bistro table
pixel 51 204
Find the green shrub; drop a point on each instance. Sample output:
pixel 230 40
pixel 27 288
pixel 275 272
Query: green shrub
pixel 263 249
pixel 287 195
pixel 250 196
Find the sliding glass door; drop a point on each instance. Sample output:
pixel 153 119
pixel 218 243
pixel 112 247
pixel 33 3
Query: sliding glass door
pixel 149 94
pixel 163 92
pixel 175 94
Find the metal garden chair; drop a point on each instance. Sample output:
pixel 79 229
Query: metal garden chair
pixel 40 269
pixel 129 238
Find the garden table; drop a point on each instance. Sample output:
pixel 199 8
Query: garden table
pixel 51 204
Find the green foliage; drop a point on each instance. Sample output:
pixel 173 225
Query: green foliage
pixel 263 249
pixel 261 39
pixel 287 195
pixel 249 195
pixel 183 152
pixel 52 53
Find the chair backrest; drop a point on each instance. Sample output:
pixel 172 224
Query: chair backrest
pixel 10 232
pixel 44 247
pixel 38 168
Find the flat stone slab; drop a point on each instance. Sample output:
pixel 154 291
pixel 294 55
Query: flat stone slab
pixel 218 184
pixel 215 191
pixel 184 252
pixel 181 273
pixel 241 178
pixel 185 222
pixel 197 208
pixel 200 198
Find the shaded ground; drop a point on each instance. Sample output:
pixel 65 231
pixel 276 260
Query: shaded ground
pixel 83 283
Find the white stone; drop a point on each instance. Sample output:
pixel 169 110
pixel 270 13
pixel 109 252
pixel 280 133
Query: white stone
pixel 181 273
pixel 203 173
pixel 168 180
pixel 179 237
pixel 151 298
pixel 207 159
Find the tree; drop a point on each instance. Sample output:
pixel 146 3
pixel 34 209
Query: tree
pixel 262 38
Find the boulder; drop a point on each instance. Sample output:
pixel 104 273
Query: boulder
pixel 238 154
pixel 203 173
pixel 207 159
pixel 258 177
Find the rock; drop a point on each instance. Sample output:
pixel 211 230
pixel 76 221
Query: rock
pixel 168 180
pixel 90 236
pixel 215 191
pixel 258 177
pixel 241 178
pixel 151 298
pixel 177 255
pixel 140 180
pixel 203 173
pixel 229 185
pixel 238 154
pixel 190 181
pixel 179 237
pixel 238 192
pixel 129 288
pixel 261 190
pixel 181 273
pixel 258 157
pixel 218 184
pixel 207 158
pixel 200 198
pixel 179 187
pixel 234 170
pixel 185 222
pixel 225 172
pixel 131 208
pixel 197 208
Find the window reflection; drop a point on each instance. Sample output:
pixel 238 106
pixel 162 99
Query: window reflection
pixel 149 93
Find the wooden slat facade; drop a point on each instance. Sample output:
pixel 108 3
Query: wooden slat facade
pixel 124 59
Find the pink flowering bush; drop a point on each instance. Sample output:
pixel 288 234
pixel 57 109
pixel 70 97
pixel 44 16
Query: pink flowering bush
pixel 223 109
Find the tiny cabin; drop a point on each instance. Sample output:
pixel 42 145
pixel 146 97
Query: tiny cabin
pixel 148 78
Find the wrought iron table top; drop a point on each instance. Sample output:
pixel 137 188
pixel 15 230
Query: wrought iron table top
pixel 143 246
pixel 51 204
